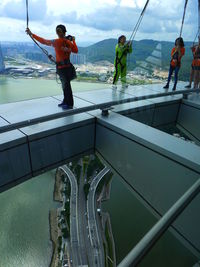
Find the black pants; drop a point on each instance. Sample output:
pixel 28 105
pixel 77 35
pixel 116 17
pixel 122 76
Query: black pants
pixel 65 76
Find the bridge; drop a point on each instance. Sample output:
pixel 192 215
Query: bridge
pixel 36 136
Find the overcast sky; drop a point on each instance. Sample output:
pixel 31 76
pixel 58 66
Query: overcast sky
pixel 95 20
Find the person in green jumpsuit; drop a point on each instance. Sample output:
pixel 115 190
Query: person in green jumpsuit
pixel 122 49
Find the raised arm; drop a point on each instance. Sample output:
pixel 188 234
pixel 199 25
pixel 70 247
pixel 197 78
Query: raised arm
pixel 40 39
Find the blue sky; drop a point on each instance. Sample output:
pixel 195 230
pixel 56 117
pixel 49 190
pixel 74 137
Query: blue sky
pixel 93 20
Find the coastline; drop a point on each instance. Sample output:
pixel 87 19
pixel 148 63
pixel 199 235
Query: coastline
pixel 53 220
pixel 58 186
pixel 53 237
pixel 108 240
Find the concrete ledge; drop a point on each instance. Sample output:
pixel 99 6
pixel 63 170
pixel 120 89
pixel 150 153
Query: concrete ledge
pixel 157 166
pixel 189 118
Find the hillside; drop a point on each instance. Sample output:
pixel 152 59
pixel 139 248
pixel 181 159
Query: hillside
pixel 105 50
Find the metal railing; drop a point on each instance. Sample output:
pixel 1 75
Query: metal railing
pixel 102 106
pixel 148 241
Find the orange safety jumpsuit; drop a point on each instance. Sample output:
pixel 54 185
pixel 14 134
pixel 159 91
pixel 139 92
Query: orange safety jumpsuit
pixel 59 45
pixel 176 58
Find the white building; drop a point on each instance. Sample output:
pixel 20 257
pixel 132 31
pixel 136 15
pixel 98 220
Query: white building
pixel 78 59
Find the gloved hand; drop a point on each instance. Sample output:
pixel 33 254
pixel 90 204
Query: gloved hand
pixel 28 31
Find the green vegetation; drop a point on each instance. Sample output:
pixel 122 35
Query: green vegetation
pixel 67 190
pixel 59 244
pixel 85 160
pixel 77 172
pixel 65 232
pixel 86 190
pixel 105 50
pixel 94 165
pixel 105 181
pixel 67 213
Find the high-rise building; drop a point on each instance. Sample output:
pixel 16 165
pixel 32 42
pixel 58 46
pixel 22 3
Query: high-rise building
pixel 78 59
pixel 2 65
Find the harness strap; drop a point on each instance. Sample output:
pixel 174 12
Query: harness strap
pixel 118 60
pixel 64 62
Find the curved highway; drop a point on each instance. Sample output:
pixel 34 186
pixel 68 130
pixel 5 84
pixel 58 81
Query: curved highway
pixel 98 252
pixel 74 234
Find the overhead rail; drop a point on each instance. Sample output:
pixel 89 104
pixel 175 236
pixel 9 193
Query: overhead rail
pixel 102 106
pixel 148 241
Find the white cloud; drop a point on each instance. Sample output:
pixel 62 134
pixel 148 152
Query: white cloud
pixel 97 19
pixel 128 3
pixel 81 7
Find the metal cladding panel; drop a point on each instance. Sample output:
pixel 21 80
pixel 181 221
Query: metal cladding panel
pixel 14 164
pixel 58 147
pixel 41 130
pixel 11 138
pixel 158 179
pixel 189 118
pixel 165 114
pixel 144 116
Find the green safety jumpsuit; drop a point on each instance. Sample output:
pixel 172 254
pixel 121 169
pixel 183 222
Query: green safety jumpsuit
pixel 120 62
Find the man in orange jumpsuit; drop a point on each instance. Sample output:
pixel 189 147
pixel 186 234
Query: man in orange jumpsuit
pixel 63 48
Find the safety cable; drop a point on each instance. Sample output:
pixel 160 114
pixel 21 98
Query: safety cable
pixel 196 36
pixel 183 19
pixel 135 30
pixel 51 58
pixel 138 22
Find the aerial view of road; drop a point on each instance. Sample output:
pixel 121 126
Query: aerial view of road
pixel 85 233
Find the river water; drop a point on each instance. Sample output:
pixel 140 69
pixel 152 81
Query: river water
pixel 130 220
pixel 24 225
pixel 24 209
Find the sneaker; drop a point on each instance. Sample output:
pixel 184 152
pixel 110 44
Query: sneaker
pixel 114 87
pixel 61 104
pixel 174 88
pixel 188 86
pixel 166 86
pixel 65 106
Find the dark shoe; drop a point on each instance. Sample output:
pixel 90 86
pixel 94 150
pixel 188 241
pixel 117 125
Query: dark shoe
pixel 65 106
pixel 61 104
pixel 166 86
pixel 174 88
pixel 188 86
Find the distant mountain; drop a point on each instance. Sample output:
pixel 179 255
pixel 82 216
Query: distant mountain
pixel 105 50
